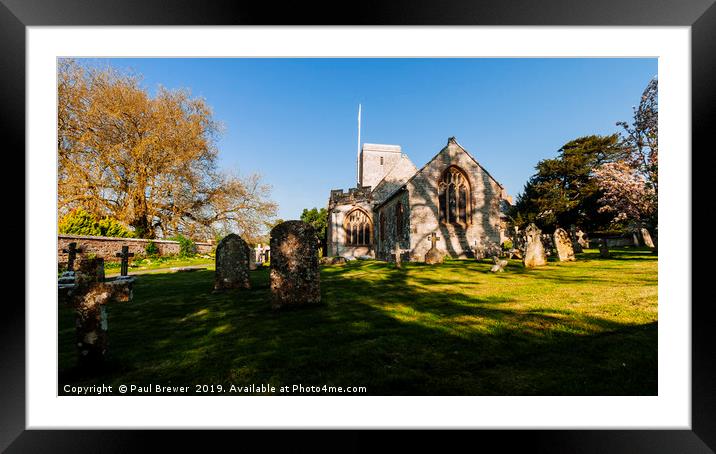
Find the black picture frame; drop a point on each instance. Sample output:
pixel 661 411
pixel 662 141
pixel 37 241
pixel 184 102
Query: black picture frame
pixel 699 15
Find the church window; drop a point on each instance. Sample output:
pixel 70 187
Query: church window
pixel 358 228
pixel 454 197
pixel 382 227
pixel 399 218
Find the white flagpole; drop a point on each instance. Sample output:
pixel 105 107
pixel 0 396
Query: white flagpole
pixel 358 153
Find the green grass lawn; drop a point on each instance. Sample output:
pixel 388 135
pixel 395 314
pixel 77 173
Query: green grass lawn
pixel 581 328
pixel 147 263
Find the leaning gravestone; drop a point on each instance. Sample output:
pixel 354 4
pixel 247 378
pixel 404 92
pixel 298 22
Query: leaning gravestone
pixel 295 274
pixel 232 263
pixel 647 238
pixel 534 251
pixel 603 248
pixel 563 244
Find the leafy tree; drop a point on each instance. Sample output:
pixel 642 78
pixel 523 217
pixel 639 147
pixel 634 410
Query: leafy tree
pixel 630 185
pixel 80 222
pixel 187 247
pixel 151 249
pixel 318 220
pixel 148 161
pixel 563 191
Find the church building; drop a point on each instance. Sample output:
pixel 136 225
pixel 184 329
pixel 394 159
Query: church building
pixel 397 205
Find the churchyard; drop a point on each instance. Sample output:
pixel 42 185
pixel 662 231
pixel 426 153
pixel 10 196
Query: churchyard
pixel 584 327
pixel 176 270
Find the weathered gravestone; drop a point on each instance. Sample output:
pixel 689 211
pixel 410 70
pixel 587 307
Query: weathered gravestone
pixel 434 255
pixel 563 245
pixel 397 255
pixel 534 250
pixel 295 274
pixel 232 263
pixel 647 238
pixel 499 265
pixel 548 244
pixel 336 260
pixel 125 254
pixel 603 248
pixel 576 246
pixel 582 239
pixel 86 291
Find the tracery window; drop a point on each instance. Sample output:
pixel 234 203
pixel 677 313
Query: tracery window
pixel 358 228
pixel 454 197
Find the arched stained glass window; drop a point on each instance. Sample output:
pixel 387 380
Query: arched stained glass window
pixel 454 197
pixel 358 228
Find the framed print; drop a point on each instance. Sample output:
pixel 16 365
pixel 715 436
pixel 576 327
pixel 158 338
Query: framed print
pixel 456 282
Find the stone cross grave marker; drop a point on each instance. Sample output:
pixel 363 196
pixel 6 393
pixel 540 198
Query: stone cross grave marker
pixel 125 254
pixel 71 252
pixel 499 265
pixel 88 295
pixel 398 251
pixel 434 255
pixel 534 250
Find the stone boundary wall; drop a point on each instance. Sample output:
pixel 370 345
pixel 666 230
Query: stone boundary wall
pixel 612 241
pixel 107 247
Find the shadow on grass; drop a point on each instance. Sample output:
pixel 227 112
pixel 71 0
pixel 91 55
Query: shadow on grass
pixel 377 327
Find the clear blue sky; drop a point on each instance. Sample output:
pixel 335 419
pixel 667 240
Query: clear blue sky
pixel 295 120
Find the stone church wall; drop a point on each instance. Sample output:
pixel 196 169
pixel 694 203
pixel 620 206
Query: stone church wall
pixel 386 245
pixel 456 240
pixel 336 241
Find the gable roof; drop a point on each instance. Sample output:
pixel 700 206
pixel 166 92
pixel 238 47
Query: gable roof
pixel 450 140
pixel 398 175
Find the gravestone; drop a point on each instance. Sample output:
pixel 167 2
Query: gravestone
pixel 92 266
pixel 514 253
pixel 603 248
pixel 125 254
pixel 397 255
pixel 336 260
pixel 434 255
pixel 295 274
pixel 232 263
pixel 499 265
pixel 575 241
pixel 71 252
pixel 478 252
pixel 534 250
pixel 582 239
pixel 563 245
pixel 647 238
pixel 635 239
pixel 86 291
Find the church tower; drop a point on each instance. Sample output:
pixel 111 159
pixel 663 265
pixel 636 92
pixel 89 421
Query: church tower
pixel 376 160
